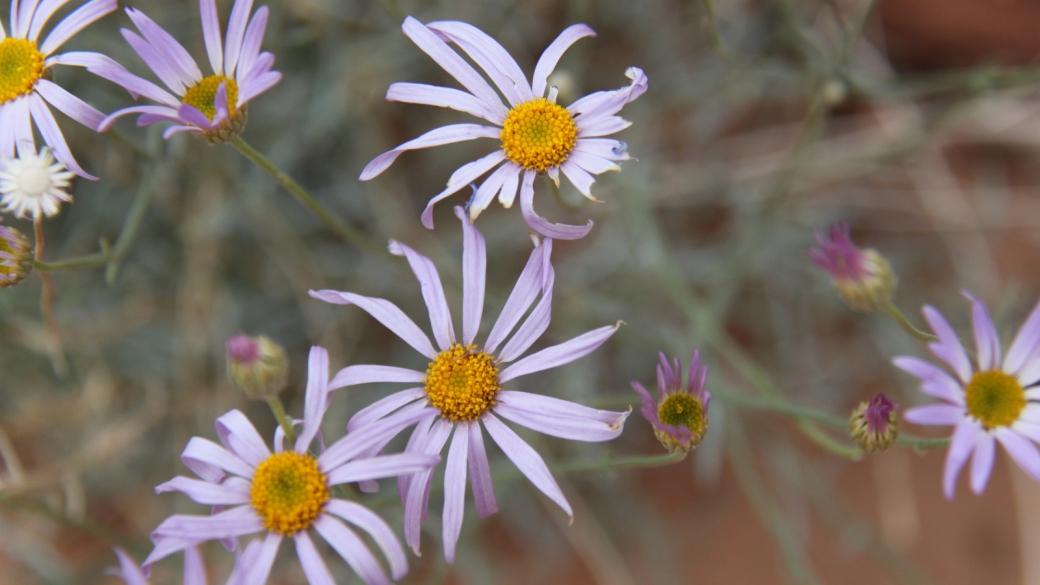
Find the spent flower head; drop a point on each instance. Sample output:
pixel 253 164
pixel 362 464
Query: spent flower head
pixel 462 389
pixel 535 133
pixel 212 107
pixel 993 402
pixel 863 277
pixel 257 366
pixel 34 185
pixel 873 425
pixel 287 493
pixel 680 414
pixel 26 88
pixel 16 256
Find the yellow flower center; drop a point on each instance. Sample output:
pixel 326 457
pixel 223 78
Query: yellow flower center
pixel 203 95
pixel 995 399
pixel 289 492
pixel 462 382
pixel 21 66
pixel 682 409
pixel 538 134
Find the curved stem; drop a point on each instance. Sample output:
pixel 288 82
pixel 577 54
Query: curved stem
pixel 306 199
pixel 907 326
pixel 131 224
pixel 47 306
pixel 283 419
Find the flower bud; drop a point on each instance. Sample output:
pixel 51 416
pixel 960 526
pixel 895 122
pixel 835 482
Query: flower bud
pixel 679 415
pixel 16 257
pixel 864 278
pixel 873 425
pixel 257 366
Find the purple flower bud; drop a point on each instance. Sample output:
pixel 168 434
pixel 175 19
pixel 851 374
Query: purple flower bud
pixel 16 257
pixel 863 277
pixel 873 425
pixel 257 366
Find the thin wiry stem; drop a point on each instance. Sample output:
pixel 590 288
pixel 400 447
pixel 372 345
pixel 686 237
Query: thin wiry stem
pixel 907 326
pixel 58 361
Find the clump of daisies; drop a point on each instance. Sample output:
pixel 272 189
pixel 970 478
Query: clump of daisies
pixel 535 134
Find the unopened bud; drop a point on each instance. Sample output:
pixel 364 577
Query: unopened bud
pixel 16 256
pixel 873 425
pixel 257 366
pixel 864 278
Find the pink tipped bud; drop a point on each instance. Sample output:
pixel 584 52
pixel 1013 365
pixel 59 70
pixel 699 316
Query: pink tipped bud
pixel 863 277
pixel 257 366
pixel 16 257
pixel 873 425
pixel 680 413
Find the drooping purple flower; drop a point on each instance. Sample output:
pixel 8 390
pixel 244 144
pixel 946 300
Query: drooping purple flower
pixel 863 277
pixel 462 388
pixel 680 414
pixel 993 403
pixel 536 134
pixel 287 493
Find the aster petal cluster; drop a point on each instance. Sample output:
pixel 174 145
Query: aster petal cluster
pixel 25 86
pixel 536 134
pixel 680 414
pixel 461 390
pixel 286 493
pixel 212 107
pixel 989 402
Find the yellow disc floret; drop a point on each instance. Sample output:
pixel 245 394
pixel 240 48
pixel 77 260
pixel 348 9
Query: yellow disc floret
pixel 995 399
pixel 289 492
pixel 538 134
pixel 21 66
pixel 203 95
pixel 682 409
pixel 462 382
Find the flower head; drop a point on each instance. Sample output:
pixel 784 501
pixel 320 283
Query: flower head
pixel 993 402
pixel 257 366
pixel 34 184
pixel 25 77
pixel 287 493
pixel 536 134
pixel 463 390
pixel 679 415
pixel 213 107
pixel 16 256
pixel 873 425
pixel 864 278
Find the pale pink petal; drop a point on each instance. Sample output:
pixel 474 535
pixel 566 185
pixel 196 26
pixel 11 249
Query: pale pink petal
pixel 605 148
pixel 455 491
pixel 204 492
pixel 234 522
pixel 1025 344
pixel 366 374
pixel 69 104
pixel 462 177
pixel 128 569
pixel 386 313
pixel 383 407
pixel 961 446
pixel 935 414
pixel 948 348
pixel 156 62
pixel 524 292
pixel 106 68
pixel 258 571
pixel 597 106
pixel 526 460
pixel 934 382
pixel 43 13
pixel 315 398
pixel 241 438
pixel 510 184
pixel 547 62
pixel 313 565
pixel 540 224
pixel 251 43
pixel 488 189
pixel 591 163
pixel 480 473
pixel 1023 452
pixel 175 55
pixel 982 461
pixel 537 322
pixel 602 127
pixel 204 457
pixel 236 31
pixel 550 406
pixel 53 137
pixel 474 270
pixel 414 445
pixel 444 97
pixel 436 137
pixel 352 549
pixel 559 355
pixel 579 177
pixel 254 87
pixel 432 291
pixel 418 492
pixel 377 528
pixel 381 466
pixel 362 439
pixel 987 342
pixel 490 56
pixel 83 17
pixel 211 34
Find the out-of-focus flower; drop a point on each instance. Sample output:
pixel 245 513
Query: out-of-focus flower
pixel 536 134
pixel 462 386
pixel 287 493
pixel 679 415
pixel 873 425
pixel 16 256
pixel 257 366
pixel 211 107
pixel 864 278
pixel 34 184
pixel 25 85
pixel 997 402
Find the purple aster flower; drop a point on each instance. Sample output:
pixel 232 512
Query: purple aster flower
pixel 679 415
pixel 286 493
pixel 212 107
pixel 25 80
pixel 536 134
pixel 864 278
pixel 16 256
pixel 873 425
pixel 993 402
pixel 461 389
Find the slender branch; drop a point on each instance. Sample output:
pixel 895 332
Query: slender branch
pixel 47 306
pixel 99 259
pixel 283 419
pixel 307 200
pixel 131 224
pixel 907 326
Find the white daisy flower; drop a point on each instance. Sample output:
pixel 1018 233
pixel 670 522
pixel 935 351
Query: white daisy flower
pixel 536 134
pixel 25 89
pixel 34 184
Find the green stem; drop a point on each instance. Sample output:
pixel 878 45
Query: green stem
pixel 907 326
pixel 345 231
pixel 283 419
pixel 778 405
pixel 99 259
pixel 131 225
pixel 830 443
pixel 920 444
